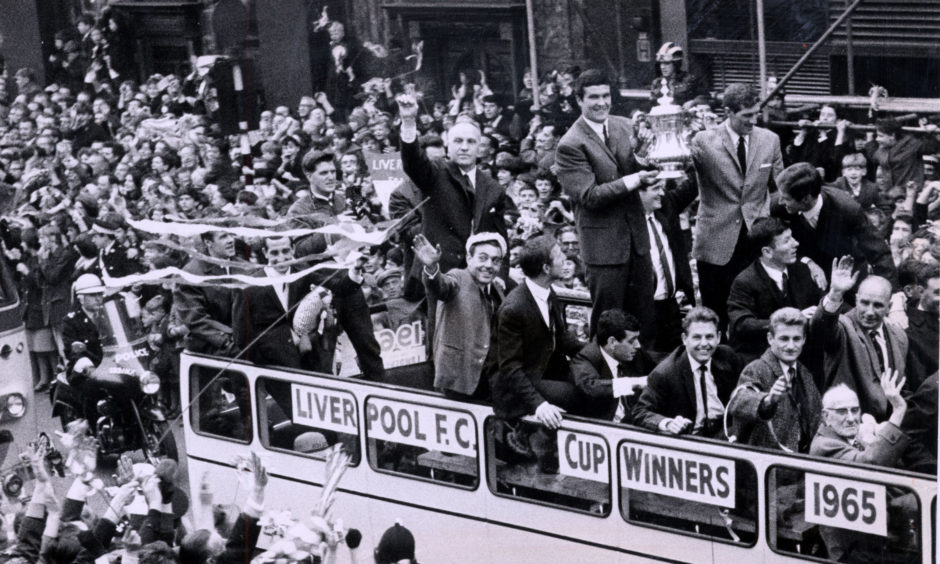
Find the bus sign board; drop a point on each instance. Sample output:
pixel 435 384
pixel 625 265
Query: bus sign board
pixel 581 455
pixel 433 428
pixel 684 475
pixel 847 504
pixel 324 409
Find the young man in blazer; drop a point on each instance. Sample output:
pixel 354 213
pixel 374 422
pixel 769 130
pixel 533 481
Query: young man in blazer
pixel 735 165
pixel 687 392
pixel 598 171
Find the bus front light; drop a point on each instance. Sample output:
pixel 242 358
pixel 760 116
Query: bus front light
pixel 16 405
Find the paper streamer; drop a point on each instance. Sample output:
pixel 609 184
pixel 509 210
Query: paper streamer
pixel 173 274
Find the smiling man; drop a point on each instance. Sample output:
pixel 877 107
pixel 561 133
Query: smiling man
pixel 688 391
pixel 861 345
pixel 597 168
pixel 735 165
pixel 462 200
pixel 778 403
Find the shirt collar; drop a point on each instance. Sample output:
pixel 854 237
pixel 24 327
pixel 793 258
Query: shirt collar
pixel 813 212
pixel 775 273
pixel 597 127
pixel 271 272
pixel 734 135
pixel 538 292
pixel 784 367
pixel 695 364
pixel 611 361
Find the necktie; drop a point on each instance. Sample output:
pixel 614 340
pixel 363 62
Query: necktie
pixel 607 138
pixel 783 285
pixel 667 274
pixel 553 323
pixel 742 155
pixel 873 334
pixel 470 187
pixel 701 380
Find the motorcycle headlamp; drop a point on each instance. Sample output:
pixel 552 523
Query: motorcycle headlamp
pixel 16 405
pixel 149 383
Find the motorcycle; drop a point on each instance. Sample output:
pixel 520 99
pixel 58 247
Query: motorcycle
pixel 127 412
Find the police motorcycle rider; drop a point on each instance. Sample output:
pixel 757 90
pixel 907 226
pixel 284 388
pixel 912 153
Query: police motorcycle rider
pixel 105 381
pixel 681 86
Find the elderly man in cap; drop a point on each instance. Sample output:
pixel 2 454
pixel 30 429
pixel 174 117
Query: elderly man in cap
pixel 465 315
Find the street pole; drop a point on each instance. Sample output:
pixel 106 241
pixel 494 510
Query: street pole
pixel 533 69
pixel 761 48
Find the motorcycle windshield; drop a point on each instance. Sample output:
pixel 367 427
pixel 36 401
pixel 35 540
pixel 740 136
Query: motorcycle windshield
pixel 116 328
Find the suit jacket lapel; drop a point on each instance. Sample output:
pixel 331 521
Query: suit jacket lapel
pixel 729 144
pixel 481 198
pixel 870 346
pixel 589 132
pixel 685 370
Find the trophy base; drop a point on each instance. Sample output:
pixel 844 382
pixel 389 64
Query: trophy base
pixel 669 174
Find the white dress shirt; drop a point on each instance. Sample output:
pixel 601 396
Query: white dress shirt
pixel 882 344
pixel 658 266
pixel 775 275
pixel 812 215
pixel 541 299
pixel 715 407
pixel 280 288
pixel 734 142
pixel 598 127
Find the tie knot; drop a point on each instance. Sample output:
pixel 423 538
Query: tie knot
pixel 873 334
pixel 703 369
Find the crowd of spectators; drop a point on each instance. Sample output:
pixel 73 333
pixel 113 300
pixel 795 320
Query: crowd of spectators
pixel 832 288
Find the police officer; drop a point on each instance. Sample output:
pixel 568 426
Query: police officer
pixel 82 342
pixel 113 257
pixel 680 85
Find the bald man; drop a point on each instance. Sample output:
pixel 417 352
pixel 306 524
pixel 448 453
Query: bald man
pixel 462 200
pixel 860 346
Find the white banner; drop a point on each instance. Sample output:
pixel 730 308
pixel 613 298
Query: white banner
pixel 847 504
pixel 583 456
pixel 432 428
pixel 684 475
pixel 323 409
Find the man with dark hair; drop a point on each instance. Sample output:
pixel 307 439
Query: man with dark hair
pixel 923 327
pixel 492 119
pixel 321 205
pixel 614 353
pixel 735 165
pixel 687 392
pixel 899 154
pixel 598 170
pixel 777 404
pixel 206 310
pixel 533 340
pixel 663 275
pixel 828 223
pixel 773 281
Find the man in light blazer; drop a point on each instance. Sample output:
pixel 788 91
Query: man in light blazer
pixel 735 165
pixel 465 316
pixel 598 171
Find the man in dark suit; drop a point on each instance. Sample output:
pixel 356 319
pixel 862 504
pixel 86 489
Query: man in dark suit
pixel 112 256
pixel 735 165
pixel 829 223
pixel 773 281
pixel 821 147
pixel 493 119
pixel 688 391
pixel 533 340
pixel 463 201
pixel 262 308
pixel 853 181
pixel 598 171
pixel 860 346
pixel 614 353
pixel 663 275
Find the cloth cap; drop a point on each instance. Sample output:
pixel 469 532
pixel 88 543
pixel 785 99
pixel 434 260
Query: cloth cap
pixel 486 237
pixel 104 226
pixel 397 544
pixel 386 274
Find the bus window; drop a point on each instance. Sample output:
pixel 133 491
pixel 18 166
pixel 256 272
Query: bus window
pixel 841 519
pixel 685 491
pixel 223 405
pixel 307 420
pixel 421 441
pixel 564 468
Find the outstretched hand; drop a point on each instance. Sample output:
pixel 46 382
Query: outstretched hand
pixel 428 254
pixel 407 107
pixel 842 279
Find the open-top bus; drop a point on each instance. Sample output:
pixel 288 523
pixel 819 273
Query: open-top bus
pixel 621 494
